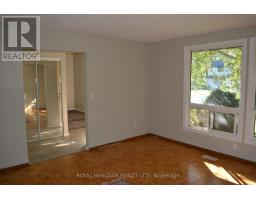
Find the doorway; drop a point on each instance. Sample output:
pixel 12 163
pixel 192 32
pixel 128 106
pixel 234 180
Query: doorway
pixel 75 92
pixel 53 130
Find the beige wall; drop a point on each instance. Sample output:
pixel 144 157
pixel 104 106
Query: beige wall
pixel 166 94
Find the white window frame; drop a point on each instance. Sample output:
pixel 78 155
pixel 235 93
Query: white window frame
pixel 250 112
pixel 238 137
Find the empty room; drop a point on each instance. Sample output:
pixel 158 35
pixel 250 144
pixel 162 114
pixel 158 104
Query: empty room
pixel 128 99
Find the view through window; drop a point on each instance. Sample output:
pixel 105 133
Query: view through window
pixel 215 82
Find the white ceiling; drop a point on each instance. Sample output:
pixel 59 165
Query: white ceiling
pixel 146 28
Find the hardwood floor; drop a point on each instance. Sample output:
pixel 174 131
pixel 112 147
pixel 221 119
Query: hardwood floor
pixel 144 160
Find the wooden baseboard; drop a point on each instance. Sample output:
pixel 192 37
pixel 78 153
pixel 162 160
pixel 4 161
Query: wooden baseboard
pixel 14 167
pixel 205 150
pixel 143 135
pixel 124 140
pixel 177 142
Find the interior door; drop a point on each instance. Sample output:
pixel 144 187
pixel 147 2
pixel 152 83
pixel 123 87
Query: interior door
pixel 31 100
pixel 43 99
pixel 50 100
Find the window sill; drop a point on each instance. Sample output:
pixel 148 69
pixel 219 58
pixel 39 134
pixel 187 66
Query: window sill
pixel 216 134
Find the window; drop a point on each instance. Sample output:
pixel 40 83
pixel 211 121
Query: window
pixel 250 130
pixel 214 89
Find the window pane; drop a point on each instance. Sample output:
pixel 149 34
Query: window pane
pixel 215 77
pixel 199 118
pixel 223 122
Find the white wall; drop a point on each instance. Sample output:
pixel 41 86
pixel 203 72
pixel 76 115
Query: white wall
pixel 166 97
pixel 130 87
pixel 76 81
pixel 117 84
pixel 117 91
pixel 79 81
pixel 13 142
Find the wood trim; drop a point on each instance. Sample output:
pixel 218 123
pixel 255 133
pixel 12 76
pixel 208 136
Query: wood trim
pixel 124 140
pixel 206 150
pixel 15 167
pixel 177 142
pixel 139 136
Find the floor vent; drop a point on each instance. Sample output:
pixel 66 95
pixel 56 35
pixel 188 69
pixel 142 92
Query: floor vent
pixel 211 158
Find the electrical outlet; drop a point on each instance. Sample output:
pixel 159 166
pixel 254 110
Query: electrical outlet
pixel 134 125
